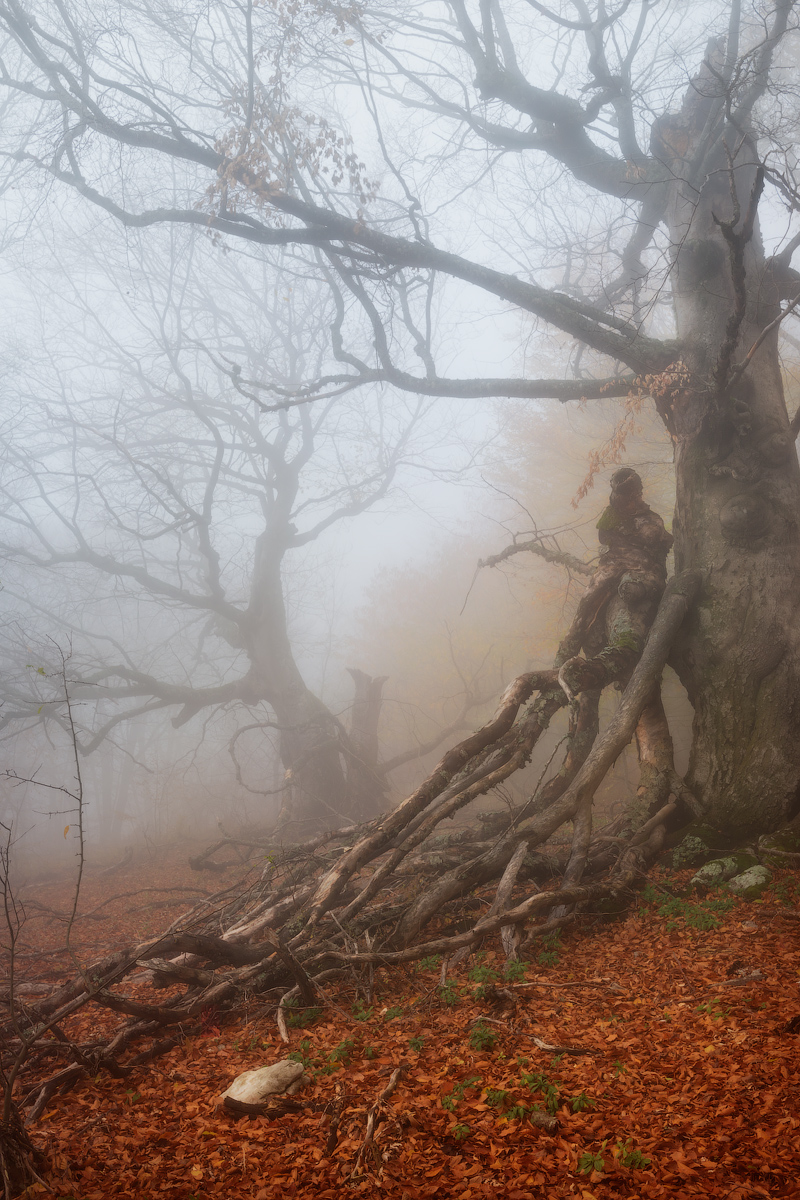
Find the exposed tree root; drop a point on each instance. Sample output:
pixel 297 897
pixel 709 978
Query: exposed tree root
pixel 349 900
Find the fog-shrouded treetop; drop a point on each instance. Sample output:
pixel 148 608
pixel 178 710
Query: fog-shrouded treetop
pixel 159 521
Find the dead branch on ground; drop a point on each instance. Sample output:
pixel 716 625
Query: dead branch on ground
pixel 342 903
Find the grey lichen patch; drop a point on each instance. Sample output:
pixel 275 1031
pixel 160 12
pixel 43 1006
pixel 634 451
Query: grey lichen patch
pixel 637 588
pixel 787 840
pixel 751 883
pixel 691 850
pixel 710 874
pixel 720 870
pixel 626 639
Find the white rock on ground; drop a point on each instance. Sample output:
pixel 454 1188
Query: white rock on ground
pixel 254 1087
pixel 751 883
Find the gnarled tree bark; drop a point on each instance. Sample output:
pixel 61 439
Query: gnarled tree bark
pixel 737 518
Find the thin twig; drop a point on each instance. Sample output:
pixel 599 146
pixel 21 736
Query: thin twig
pixel 373 1118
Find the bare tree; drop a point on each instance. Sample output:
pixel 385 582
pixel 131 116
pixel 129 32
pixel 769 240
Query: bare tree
pixel 622 153
pixel 624 180
pixel 155 512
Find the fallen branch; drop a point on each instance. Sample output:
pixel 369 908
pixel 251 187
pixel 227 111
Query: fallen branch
pixel 743 980
pixel 125 861
pixel 339 903
pixel 373 1118
pixel 332 885
pixel 304 984
pixel 280 1018
pixel 166 973
pixel 509 934
pixel 272 1109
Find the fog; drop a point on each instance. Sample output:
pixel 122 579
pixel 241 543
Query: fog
pixel 209 554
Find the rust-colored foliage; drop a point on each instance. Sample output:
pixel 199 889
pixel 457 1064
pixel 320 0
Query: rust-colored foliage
pixel 686 1058
pixel 664 389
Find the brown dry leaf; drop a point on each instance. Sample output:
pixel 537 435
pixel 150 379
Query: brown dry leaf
pixel 706 1095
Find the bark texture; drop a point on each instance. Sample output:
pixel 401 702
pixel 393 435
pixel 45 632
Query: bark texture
pixel 738 483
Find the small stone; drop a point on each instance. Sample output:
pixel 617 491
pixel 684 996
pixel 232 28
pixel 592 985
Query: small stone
pixel 708 875
pixel 751 883
pixel 720 870
pixel 691 850
pixel 254 1087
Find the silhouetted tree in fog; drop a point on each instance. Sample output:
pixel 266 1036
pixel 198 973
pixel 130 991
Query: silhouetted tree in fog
pixel 152 510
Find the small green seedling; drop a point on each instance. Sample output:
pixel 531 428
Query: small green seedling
pixel 483 975
pixel 302 1054
pixel 703 916
pixel 537 1081
pixel 342 1053
pixel 459 1091
pixel 549 955
pixel 481 1037
pixel 589 1162
pixel 713 1009
pixel 628 1157
pixel 431 963
pixel 448 994
pixel 303 1017
pixel 515 1113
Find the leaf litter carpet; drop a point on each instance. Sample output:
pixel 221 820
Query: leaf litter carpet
pixel 665 1045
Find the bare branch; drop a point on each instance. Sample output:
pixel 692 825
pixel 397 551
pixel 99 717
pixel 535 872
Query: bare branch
pixel 535 546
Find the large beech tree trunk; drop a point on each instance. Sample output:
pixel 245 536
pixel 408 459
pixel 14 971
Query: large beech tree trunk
pixel 331 778
pixel 738 483
pixel 316 790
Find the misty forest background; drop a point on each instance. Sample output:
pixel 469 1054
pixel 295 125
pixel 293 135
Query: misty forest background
pixel 146 458
pixel 111 392
pixel 337 341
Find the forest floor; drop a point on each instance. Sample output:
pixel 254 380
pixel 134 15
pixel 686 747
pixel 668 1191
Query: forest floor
pixel 673 1068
